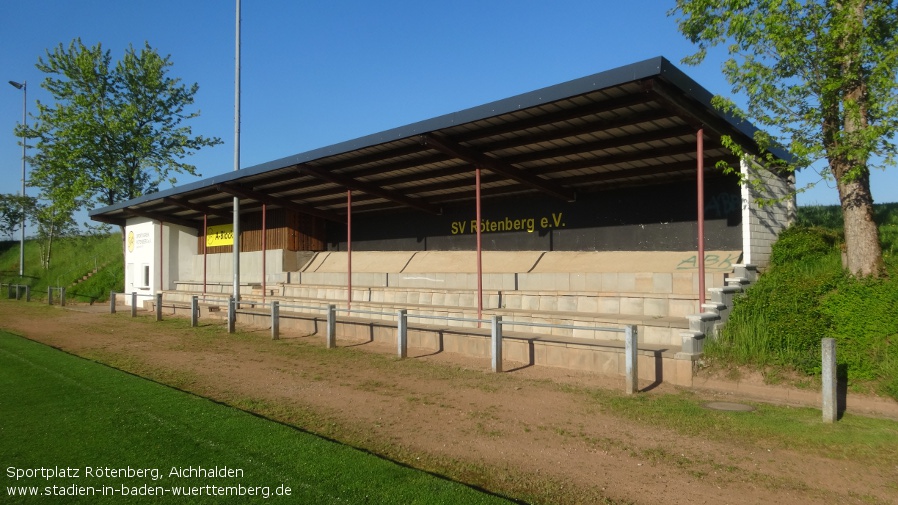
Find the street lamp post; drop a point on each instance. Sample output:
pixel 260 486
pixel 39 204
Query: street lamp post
pixel 24 87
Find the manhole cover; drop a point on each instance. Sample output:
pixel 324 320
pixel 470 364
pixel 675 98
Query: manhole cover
pixel 730 406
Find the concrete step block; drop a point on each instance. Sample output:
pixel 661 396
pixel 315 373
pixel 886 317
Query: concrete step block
pixel 693 342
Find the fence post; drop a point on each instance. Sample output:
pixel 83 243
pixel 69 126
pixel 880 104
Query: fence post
pixel 632 366
pixel 331 336
pixel 134 304
pixel 27 293
pixel 62 297
pixel 49 295
pixel 194 310
pixel 112 302
pixel 232 314
pixel 9 291
pixel 275 320
pixel 18 296
pixel 830 399
pixel 158 306
pixel 496 343
pixel 402 333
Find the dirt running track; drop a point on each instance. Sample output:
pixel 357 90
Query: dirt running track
pixel 534 432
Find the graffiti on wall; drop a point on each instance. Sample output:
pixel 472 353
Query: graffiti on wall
pixel 712 261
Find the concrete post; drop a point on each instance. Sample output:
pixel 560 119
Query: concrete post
pixel 331 335
pixel 112 302
pixel 402 333
pixel 158 306
pixel 496 343
pixel 27 293
pixel 18 293
pixel 49 295
pixel 830 400
pixel 134 304
pixel 9 291
pixel 630 340
pixel 194 310
pixel 62 297
pixel 232 314
pixel 275 320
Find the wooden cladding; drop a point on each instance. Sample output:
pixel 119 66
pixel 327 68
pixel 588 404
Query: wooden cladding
pixel 285 229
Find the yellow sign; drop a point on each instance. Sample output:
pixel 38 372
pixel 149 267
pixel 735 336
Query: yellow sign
pixel 222 234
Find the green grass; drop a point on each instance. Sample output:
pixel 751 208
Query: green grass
pixel 58 410
pixel 854 437
pixel 72 258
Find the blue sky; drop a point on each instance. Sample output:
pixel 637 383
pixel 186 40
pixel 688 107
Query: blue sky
pixel 318 73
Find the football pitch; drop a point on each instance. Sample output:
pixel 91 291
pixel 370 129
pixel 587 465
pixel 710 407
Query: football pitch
pixel 74 431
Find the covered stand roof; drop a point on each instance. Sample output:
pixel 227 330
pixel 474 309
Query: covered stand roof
pixel 628 126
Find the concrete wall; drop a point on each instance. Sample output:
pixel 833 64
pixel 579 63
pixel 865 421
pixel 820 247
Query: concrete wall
pixel 768 206
pixel 220 267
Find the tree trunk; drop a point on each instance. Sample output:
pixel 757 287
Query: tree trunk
pixel 863 253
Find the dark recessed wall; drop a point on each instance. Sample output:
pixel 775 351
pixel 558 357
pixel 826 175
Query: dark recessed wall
pixel 651 218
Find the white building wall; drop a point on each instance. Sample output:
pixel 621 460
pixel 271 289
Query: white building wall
pixel 768 206
pixel 141 258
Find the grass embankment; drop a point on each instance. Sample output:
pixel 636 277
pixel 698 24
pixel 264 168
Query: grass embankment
pixel 805 296
pixel 72 258
pixel 60 411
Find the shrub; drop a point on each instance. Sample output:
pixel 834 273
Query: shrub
pixel 798 243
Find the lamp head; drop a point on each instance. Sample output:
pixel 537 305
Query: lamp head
pixel 17 84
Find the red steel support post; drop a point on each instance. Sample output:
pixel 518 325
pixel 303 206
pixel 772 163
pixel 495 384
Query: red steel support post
pixel 701 216
pixel 264 251
pixel 349 248
pixel 479 249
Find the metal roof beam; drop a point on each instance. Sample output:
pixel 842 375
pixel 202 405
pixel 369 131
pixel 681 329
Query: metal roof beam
pixel 447 146
pixel 241 192
pixel 696 115
pixel 205 209
pixel 354 184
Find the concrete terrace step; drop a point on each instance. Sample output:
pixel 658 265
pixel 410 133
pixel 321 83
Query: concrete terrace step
pixel 634 303
pixel 661 330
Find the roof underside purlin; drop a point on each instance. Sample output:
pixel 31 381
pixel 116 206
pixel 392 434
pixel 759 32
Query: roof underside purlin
pixel 631 132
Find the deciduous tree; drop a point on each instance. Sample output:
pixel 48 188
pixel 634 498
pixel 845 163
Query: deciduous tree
pixel 114 131
pixel 821 76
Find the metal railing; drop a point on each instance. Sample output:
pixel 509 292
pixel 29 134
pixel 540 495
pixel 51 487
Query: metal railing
pixel 402 316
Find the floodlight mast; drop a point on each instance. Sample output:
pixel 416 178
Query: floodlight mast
pixel 24 87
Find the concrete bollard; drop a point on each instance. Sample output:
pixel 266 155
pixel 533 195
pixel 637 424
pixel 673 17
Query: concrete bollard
pixel 194 310
pixel 496 343
pixel 275 320
pixel 18 292
pixel 631 337
pixel 158 306
pixel 134 304
pixel 112 302
pixel 402 333
pixel 62 297
pixel 232 314
pixel 331 335
pixel 830 381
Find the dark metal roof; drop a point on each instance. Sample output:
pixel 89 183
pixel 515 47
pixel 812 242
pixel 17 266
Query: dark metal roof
pixel 632 125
